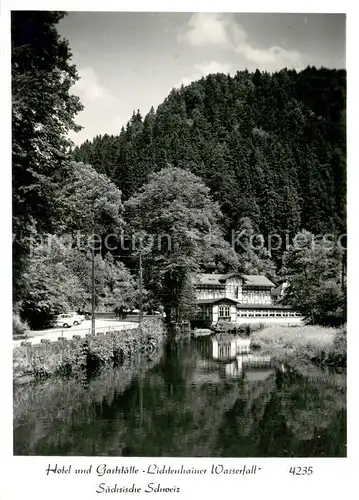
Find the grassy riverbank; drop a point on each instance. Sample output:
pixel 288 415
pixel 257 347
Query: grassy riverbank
pixel 85 355
pixel 315 344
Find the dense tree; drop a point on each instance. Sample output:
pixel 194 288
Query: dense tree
pixel 51 286
pixel 87 201
pixel 181 222
pixel 270 147
pixel 43 114
pixel 315 270
pixel 58 279
pixel 253 256
pixel 116 288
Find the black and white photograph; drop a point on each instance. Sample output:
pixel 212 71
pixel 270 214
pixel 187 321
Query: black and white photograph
pixel 179 235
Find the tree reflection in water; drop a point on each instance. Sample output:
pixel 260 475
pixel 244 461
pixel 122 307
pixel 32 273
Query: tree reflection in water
pixel 183 403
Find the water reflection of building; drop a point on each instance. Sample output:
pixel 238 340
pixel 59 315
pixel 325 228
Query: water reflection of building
pixel 229 357
pixel 231 370
pixel 228 346
pixel 252 367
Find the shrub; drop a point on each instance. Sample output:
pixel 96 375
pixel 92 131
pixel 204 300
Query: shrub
pixel 222 326
pixel 240 329
pixel 317 344
pixel 248 328
pixel 19 327
pixel 87 355
pixel 338 353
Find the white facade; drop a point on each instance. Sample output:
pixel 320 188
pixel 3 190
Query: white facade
pixel 257 295
pixel 206 292
pixel 297 320
pixel 234 289
pixel 225 312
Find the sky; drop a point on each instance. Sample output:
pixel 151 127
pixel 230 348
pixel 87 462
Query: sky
pixel 131 60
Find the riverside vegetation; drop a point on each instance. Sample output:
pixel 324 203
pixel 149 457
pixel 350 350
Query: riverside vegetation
pixel 303 344
pixel 87 355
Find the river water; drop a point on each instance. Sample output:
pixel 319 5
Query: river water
pixel 184 402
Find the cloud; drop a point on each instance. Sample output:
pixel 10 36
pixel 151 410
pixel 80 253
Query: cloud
pixel 213 67
pixel 222 31
pixel 90 89
pixel 204 69
pixel 204 29
pixel 272 58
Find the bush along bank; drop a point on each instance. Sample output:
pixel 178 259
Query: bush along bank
pixel 242 329
pixel 314 344
pixel 86 355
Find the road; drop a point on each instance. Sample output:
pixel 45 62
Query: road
pixel 102 325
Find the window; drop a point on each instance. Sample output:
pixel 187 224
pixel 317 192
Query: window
pixel 224 312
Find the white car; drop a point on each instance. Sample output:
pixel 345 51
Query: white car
pixel 67 320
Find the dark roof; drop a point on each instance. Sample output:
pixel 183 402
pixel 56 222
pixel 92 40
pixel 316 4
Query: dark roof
pixel 219 279
pixel 209 279
pixel 214 301
pixel 257 280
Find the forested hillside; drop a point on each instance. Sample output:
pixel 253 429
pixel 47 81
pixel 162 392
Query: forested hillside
pixel 271 147
pixel 255 154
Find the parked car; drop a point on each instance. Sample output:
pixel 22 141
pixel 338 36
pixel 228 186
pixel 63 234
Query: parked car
pixel 136 311
pixel 80 317
pixel 67 320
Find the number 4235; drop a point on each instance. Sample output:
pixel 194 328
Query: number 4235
pixel 301 471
